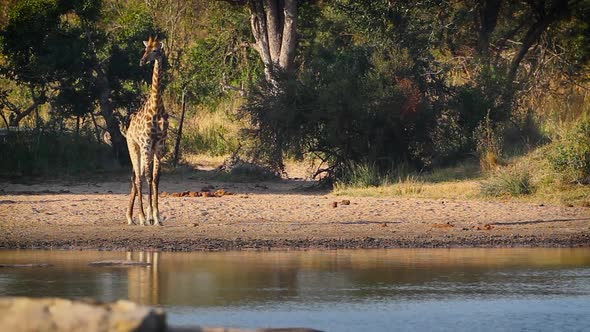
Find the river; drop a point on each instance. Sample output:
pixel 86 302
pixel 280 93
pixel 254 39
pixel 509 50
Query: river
pixel 346 290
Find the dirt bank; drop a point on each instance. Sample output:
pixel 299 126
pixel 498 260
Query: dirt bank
pixel 276 215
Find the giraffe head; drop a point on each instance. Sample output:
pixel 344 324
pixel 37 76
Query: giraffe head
pixel 154 50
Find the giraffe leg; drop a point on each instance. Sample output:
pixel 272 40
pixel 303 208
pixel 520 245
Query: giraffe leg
pixel 135 162
pixel 138 185
pixel 147 161
pixel 131 200
pixel 155 185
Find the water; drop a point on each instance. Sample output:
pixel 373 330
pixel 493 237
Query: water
pixel 363 290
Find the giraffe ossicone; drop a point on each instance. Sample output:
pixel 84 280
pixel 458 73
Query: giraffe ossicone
pixel 146 139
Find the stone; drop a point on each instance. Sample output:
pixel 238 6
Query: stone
pixel 21 314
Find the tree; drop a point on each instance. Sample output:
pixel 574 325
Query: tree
pixel 61 51
pixel 274 26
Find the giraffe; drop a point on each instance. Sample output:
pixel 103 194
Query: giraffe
pixel 146 138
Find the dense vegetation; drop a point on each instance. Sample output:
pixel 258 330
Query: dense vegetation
pixel 380 88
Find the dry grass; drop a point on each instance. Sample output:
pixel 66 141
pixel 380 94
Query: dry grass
pixel 464 182
pixel 459 190
pixel 203 161
pixel 213 132
pixel 458 182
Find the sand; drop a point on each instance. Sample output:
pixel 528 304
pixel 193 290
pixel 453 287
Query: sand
pixel 271 215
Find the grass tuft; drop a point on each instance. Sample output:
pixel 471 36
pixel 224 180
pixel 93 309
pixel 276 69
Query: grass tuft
pixel 508 182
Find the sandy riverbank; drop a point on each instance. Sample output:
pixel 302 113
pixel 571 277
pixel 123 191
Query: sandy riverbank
pixel 273 215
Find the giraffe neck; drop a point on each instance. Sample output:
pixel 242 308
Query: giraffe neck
pixel 155 92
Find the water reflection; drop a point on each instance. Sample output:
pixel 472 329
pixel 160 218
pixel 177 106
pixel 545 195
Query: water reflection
pixel 443 289
pixel 255 278
pixel 143 282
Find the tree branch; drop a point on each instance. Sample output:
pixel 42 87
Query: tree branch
pixel 547 18
pixel 226 86
pixel 259 30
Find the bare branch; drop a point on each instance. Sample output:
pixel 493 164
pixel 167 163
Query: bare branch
pixel 226 86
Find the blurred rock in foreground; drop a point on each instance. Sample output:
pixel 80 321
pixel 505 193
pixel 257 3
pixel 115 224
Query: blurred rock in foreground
pixel 22 314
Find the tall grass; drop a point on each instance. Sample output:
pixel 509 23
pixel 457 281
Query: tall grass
pixel 570 155
pixel 212 131
pixel 361 175
pixel 508 182
pixel 367 175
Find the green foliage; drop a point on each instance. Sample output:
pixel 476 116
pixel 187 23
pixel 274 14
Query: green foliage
pixel 508 182
pixel 34 153
pixel 59 43
pixel 571 155
pixel 222 56
pixel 377 83
pixel 352 102
pixel 121 51
pixel 342 109
pixel 361 175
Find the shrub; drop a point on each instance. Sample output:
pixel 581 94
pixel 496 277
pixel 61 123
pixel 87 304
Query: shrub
pixel 35 153
pixel 236 169
pixel 571 155
pixel 343 110
pixel 508 182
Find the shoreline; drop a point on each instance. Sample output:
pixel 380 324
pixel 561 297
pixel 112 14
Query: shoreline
pixel 274 216
pixel 280 244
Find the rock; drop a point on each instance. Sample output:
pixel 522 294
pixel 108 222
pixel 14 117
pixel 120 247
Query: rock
pixel 334 204
pixel 119 263
pixel 20 314
pixel 445 225
pixel 208 188
pixel 222 192
pixel 223 329
pixel 345 202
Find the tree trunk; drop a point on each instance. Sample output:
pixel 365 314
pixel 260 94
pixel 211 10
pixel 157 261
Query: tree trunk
pixel 179 134
pixel 96 131
pixel 119 144
pixel 274 26
pixel 488 18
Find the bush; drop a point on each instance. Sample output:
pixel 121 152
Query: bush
pixel 508 182
pixel 236 169
pixel 343 110
pixel 35 153
pixel 571 155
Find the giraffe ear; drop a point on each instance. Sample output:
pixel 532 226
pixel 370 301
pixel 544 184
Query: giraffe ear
pixel 145 43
